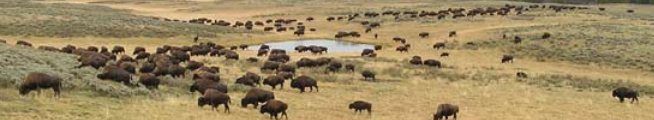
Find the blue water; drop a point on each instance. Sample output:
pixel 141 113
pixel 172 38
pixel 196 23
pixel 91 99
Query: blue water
pixel 332 45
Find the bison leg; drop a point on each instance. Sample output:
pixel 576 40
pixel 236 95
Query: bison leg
pixel 302 90
pixel 634 99
pixel 227 108
pixel 284 114
pixel 621 99
pixel 316 88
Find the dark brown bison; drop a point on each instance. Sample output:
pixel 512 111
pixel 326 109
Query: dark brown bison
pixel 286 68
pixel 104 49
pixel 507 58
pixel 262 52
pixel 150 81
pixel 402 49
pixel 68 49
pixel 206 75
pixel 378 47
pixel 439 45
pixel 214 70
pixel 95 60
pixel 92 49
pixel 49 48
pixel 214 98
pixel 256 96
pixel 252 59
pixel 433 63
pixel 416 60
pixel 142 55
pixel 37 81
pixel 147 67
pixel 282 58
pixel 118 50
pixel 202 85
pixel 624 92
pixel 602 9
pixel 274 107
pixel 243 46
pixel 423 34
pixel 273 81
pixel 128 66
pixel 452 34
pixel 116 74
pixel 194 65
pixel 521 75
pixel 445 54
pixel 231 56
pixel 367 52
pixel 138 50
pixel 359 106
pixel 630 11
pixel 546 35
pixel 3 41
pixel 446 110
pixel 349 67
pixel 270 65
pixel 303 82
pixel 277 51
pixel 517 40
pixel 368 75
pixel 23 43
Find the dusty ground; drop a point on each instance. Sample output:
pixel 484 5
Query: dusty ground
pixel 411 97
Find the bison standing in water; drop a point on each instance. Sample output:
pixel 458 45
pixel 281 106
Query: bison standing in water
pixel 446 110
pixel 624 92
pixel 36 81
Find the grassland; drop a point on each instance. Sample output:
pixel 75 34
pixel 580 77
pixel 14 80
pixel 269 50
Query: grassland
pixel 571 74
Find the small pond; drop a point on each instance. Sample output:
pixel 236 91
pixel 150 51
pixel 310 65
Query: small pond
pixel 332 45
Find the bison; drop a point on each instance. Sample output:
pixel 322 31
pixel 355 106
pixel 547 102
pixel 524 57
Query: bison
pixel 150 81
pixel 115 73
pixel 205 84
pixel 273 81
pixel 349 67
pixel 624 92
pixel 433 63
pixel 359 106
pixel 214 98
pixel 368 75
pixel 37 81
pixel 303 82
pixel 521 75
pixel 274 107
pixel 507 58
pixel 256 96
pixel 446 110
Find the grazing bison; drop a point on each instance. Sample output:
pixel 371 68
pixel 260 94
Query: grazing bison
pixel 92 48
pixel 270 65
pixel 286 75
pixel 416 60
pixel 402 49
pixel 150 81
pixel 367 52
pixel 37 81
pixel 147 67
pixel 142 55
pixel 630 11
pixel 115 73
pixel 378 47
pixel 445 54
pixel 546 35
pixel 303 82
pixel 286 68
pixel 68 49
pixel 368 75
pixel 273 81
pixel 252 59
pixel 433 63
pixel 452 33
pixel 349 67
pixel 423 34
pixel 214 98
pixel 262 52
pixel 256 96
pixel 126 58
pixel 521 75
pixel 206 75
pixel 507 58
pixel 49 48
pixel 446 110
pixel 231 56
pixel 202 85
pixel 194 65
pixel 282 58
pixel 517 40
pixel 128 66
pixel 624 92
pixel 138 50
pixel 359 106
pixel 439 45
pixel 274 107
pixel 277 51
pixel 246 81
pixel 24 43
pixel 118 50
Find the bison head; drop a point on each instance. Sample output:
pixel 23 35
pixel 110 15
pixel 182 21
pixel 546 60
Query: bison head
pixel 201 102
pixel 23 90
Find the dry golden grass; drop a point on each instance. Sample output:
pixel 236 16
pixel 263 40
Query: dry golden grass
pixel 408 94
